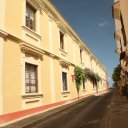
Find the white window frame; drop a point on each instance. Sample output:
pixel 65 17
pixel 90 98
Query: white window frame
pixel 65 37
pixel 32 61
pixel 36 78
pixel 63 42
pixel 63 86
pixel 63 69
pixel 37 16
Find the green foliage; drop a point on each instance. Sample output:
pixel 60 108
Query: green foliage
pixel 114 85
pixel 116 74
pixel 97 77
pixel 80 76
pixel 89 74
pixel 125 90
pixel 94 77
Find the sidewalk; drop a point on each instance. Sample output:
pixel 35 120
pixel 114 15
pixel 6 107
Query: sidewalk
pixel 117 114
pixel 19 117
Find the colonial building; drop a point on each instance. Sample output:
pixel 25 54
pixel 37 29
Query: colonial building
pixel 120 11
pixel 38 53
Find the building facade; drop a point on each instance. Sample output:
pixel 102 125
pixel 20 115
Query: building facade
pixel 38 53
pixel 120 10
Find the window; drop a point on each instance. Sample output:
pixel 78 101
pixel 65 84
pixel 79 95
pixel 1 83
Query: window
pixel 30 78
pixel 84 84
pixel 64 81
pixel 80 54
pixel 30 17
pixel 61 40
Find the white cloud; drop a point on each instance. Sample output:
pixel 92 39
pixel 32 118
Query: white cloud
pixel 103 24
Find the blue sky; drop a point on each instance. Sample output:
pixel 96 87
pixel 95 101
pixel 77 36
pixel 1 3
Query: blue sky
pixel 92 21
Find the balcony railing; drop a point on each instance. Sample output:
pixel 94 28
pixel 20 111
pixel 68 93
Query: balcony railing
pixel 116 10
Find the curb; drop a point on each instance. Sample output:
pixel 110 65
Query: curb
pixel 17 116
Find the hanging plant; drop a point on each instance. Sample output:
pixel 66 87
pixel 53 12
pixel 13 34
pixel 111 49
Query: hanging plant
pixel 116 74
pixel 89 74
pixel 94 77
pixel 79 77
pixel 97 79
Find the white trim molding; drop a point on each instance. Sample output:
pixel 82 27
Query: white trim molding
pixel 65 68
pixel 32 55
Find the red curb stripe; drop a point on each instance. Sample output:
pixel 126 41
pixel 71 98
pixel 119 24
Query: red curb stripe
pixel 19 114
pixel 15 115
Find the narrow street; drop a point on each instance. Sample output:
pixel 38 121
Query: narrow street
pixel 87 112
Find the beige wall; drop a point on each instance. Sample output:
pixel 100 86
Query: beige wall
pixel 42 48
pixel 45 31
pixel 1 75
pixel 12 76
pixel 124 12
pixel 46 80
pixel 57 80
pixel 2 13
pixel 13 21
pixel 2 26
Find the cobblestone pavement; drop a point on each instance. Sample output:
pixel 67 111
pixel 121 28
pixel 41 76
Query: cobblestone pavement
pixel 117 114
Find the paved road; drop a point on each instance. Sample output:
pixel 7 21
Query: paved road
pixel 86 113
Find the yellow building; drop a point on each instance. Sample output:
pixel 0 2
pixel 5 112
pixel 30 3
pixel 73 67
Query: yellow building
pixel 120 11
pixel 38 53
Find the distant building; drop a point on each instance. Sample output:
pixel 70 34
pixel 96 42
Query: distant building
pixel 120 14
pixel 38 53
